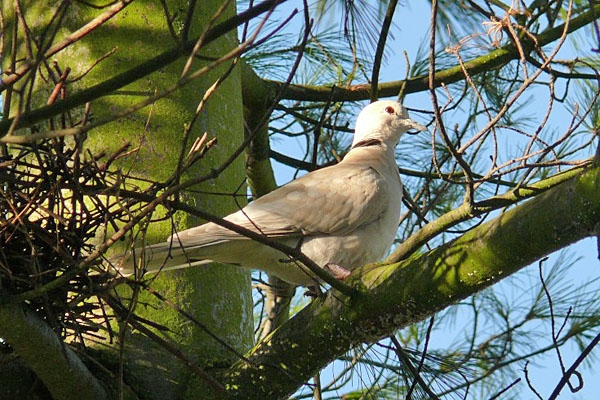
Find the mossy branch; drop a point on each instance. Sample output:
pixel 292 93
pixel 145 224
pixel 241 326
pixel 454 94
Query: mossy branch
pixel 467 211
pixel 256 98
pixel 487 62
pixel 45 353
pixel 395 295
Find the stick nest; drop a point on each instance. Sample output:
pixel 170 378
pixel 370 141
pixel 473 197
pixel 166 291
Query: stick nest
pixel 54 214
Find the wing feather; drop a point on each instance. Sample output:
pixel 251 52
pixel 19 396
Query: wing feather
pixel 334 201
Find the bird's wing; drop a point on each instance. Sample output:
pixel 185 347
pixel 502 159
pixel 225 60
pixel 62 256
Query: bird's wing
pixel 334 200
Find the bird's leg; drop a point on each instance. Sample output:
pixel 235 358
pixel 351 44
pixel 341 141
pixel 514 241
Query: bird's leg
pixel 340 273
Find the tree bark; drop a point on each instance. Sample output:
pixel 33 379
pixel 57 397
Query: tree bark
pixel 219 297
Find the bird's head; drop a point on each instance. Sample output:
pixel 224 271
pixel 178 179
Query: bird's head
pixel 383 121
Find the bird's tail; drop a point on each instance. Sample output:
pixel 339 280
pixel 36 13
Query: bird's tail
pixel 155 258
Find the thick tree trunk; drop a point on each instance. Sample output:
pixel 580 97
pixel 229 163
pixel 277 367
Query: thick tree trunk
pixel 218 297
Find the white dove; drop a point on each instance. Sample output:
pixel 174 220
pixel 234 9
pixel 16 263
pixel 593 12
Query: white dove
pixel 343 216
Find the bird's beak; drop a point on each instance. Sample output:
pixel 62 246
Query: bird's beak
pixel 415 127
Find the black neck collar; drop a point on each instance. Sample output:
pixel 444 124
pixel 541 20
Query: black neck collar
pixel 368 143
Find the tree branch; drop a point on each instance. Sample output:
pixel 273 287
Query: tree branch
pixel 51 359
pixel 394 296
pixel 466 211
pixel 493 60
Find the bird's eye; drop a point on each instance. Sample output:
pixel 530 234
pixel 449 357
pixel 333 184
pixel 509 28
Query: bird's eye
pixel 390 110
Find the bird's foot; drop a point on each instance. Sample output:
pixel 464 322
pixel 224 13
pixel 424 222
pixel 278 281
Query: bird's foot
pixel 340 273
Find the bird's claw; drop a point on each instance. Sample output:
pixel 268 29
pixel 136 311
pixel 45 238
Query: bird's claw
pixel 340 273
